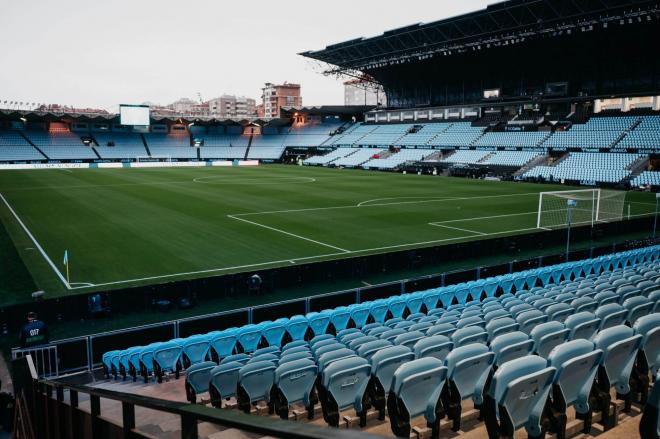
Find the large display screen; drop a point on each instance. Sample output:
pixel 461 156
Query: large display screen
pixel 134 115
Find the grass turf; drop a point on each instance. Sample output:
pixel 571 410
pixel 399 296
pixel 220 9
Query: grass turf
pixel 128 227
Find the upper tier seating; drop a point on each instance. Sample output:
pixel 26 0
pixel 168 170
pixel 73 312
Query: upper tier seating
pixel 363 364
pixel 13 147
pixel 525 139
pixel 384 135
pixel 61 145
pixel 457 135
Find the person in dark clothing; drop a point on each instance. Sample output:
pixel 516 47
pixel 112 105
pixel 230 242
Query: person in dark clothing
pixel 34 333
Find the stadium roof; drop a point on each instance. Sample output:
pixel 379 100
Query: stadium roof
pixel 504 23
pixel 329 110
pixel 51 116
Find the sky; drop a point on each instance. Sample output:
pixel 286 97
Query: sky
pixel 88 53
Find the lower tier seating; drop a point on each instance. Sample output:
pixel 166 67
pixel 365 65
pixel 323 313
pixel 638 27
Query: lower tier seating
pixel 522 348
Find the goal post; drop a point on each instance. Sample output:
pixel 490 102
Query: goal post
pixel 592 206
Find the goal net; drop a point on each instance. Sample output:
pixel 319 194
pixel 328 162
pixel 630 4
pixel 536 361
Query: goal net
pixel 590 206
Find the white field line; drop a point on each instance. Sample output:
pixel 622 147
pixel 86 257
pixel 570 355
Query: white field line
pixel 362 205
pixel 481 218
pixel 36 243
pixel 458 228
pixel 289 234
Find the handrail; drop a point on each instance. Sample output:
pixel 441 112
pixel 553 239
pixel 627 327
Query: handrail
pixel 227 418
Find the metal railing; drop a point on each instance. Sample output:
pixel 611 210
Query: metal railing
pixel 44 358
pixel 56 416
pixel 85 352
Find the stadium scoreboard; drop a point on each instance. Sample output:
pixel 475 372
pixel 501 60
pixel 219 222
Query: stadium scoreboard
pixel 134 115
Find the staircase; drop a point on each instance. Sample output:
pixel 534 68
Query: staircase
pixel 636 168
pixel 538 161
pixel 436 156
pixel 486 158
pixel 144 142
pixel 33 145
pixel 430 142
pixel 247 150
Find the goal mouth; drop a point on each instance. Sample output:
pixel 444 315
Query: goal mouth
pixel 579 207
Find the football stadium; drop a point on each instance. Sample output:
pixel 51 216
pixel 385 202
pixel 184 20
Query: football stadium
pixel 467 248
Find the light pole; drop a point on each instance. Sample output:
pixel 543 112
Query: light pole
pixel 571 204
pixel 655 218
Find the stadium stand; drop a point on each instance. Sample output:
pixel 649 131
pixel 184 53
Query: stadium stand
pixel 459 134
pixel 330 157
pixel 595 167
pixel 395 348
pixel 399 158
pixel 14 147
pixel 358 158
pixel 61 145
pixel 651 178
pixel 467 156
pixel 511 158
pixel 532 139
pixel 170 145
pixel 119 146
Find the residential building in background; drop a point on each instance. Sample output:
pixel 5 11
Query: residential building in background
pixel 274 97
pixel 231 107
pixel 363 92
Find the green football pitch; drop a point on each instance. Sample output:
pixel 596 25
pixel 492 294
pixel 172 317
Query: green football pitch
pixel 125 227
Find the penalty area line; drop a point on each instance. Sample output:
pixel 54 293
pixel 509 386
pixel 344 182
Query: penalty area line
pixel 343 250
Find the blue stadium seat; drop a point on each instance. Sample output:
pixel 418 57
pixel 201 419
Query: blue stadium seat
pixel 378 310
pixel 224 379
pixel 238 358
pixel 367 350
pixel 339 318
pixel 582 325
pixel 274 332
pixel 268 350
pixel 195 349
pixel 511 346
pixel 468 368
pixel 198 377
pixel 294 382
pixel 224 343
pixel 610 315
pixel 548 335
pixel 345 382
pixel 436 346
pixel 445 329
pixel 517 396
pixel 415 390
pixel 297 328
pixel 408 339
pixel 648 358
pixel 471 334
pixel 319 322
pixel 359 314
pixel 295 356
pixel 255 382
pixel 619 345
pixel 637 307
pixel 529 319
pixel 383 364
pixel 576 362
pixel 264 357
pixel 500 325
pixel 167 358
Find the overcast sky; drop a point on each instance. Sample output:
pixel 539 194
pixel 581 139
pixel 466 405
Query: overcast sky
pixel 100 54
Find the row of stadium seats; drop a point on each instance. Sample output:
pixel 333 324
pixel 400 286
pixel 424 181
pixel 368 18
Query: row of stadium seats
pixel 579 311
pixel 396 160
pixel 357 158
pixel 646 178
pixel 592 167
